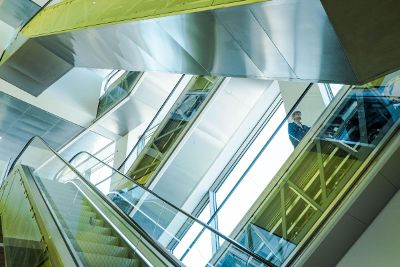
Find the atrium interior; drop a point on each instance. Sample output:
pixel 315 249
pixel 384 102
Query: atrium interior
pixel 199 133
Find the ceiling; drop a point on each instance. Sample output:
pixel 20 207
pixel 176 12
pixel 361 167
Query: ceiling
pixel 280 39
pixel 19 121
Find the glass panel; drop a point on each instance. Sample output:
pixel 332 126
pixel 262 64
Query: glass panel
pixel 84 228
pixel 117 92
pixel 136 147
pixel 188 239
pixel 173 127
pixel 260 163
pixel 315 178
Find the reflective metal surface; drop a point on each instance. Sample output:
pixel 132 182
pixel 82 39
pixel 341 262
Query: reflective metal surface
pixel 283 39
pixel 280 39
pixel 33 68
pixel 20 121
pixel 17 12
pixel 142 103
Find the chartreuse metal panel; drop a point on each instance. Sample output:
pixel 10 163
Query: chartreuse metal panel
pixel 78 14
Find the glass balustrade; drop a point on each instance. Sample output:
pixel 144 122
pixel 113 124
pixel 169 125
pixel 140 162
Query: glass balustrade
pixel 117 91
pixel 168 133
pixel 171 227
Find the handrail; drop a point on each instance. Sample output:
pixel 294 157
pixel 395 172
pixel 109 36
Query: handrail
pixel 134 225
pixel 159 248
pixel 204 225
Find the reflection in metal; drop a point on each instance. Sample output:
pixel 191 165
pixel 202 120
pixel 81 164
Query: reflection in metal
pixel 282 39
pixel 20 121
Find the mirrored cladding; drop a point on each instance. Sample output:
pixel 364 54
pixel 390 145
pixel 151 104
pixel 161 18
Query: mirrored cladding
pixel 17 13
pixel 283 39
pixel 19 121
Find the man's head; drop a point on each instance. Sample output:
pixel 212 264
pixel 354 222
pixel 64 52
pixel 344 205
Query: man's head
pixel 296 116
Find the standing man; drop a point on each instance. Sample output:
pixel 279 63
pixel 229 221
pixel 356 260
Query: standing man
pixel 296 129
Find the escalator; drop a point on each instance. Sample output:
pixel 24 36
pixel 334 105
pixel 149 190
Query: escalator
pixel 85 213
pixel 166 135
pixel 336 155
pixel 53 214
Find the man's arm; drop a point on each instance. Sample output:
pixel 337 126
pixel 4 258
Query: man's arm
pixel 293 134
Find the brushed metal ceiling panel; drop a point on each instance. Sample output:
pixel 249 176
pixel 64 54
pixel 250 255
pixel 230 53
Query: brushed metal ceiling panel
pixel 20 121
pixel 280 39
pixel 253 40
pixel 33 68
pixel 17 12
pixel 210 44
pixel 304 36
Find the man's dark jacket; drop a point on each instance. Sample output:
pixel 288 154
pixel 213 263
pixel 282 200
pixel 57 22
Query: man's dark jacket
pixel 296 132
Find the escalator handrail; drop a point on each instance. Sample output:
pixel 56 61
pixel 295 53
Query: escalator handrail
pixel 153 243
pixel 204 225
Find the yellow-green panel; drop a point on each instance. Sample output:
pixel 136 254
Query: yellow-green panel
pixel 79 14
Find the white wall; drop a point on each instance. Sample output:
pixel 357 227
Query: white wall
pixel 311 106
pixel 217 129
pixel 379 245
pixel 6 34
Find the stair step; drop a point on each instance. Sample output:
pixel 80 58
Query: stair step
pixel 95 237
pixel 73 229
pixel 95 260
pixel 74 226
pixel 82 221
pixel 101 249
pixel 76 216
pixel 69 198
pixel 76 211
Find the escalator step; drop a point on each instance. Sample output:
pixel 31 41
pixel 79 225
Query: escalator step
pixel 95 260
pixel 74 208
pixel 83 222
pixel 78 212
pixel 95 238
pixel 101 249
pixel 88 228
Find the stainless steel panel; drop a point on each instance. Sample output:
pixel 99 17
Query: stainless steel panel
pixel 20 121
pixel 33 68
pixel 207 40
pixel 254 41
pixel 304 36
pixel 280 39
pixel 17 12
